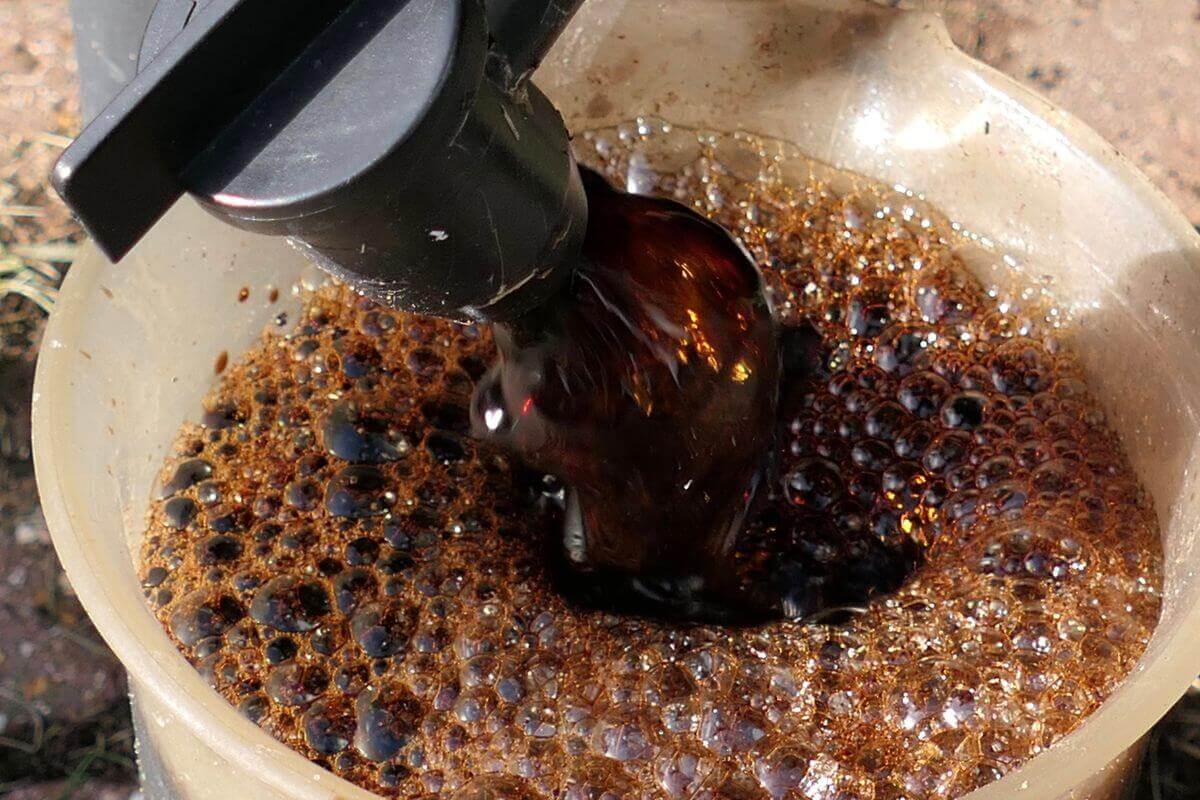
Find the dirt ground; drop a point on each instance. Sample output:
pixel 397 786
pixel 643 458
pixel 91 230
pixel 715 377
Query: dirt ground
pixel 1126 67
pixel 64 717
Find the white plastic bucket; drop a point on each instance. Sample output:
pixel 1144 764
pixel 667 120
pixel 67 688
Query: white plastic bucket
pixel 130 349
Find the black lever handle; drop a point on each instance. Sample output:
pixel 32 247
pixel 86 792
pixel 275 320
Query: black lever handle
pixel 383 135
pixel 122 173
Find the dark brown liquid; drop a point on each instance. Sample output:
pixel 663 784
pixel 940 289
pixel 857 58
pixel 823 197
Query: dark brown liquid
pixel 649 387
pixel 368 583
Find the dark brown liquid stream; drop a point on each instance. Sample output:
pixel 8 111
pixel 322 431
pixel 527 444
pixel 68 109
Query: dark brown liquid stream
pixel 649 386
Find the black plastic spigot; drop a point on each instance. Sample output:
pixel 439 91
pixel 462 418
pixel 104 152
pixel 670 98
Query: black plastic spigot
pixel 398 142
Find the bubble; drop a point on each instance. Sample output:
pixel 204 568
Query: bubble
pixel 383 630
pixel 537 718
pixel 471 708
pixel 178 512
pixel 1052 477
pixel 479 671
pixel 204 613
pixel 224 519
pixel 913 441
pixel 424 363
pixel 964 410
pixel 509 690
pixel 302 495
pixel 1071 629
pixel 264 507
pixel 358 491
pixel 885 420
pixel 388 719
pixel 622 742
pixel 903 485
pixel 280 649
pixel 220 417
pixel 186 475
pixel 898 349
pixel 994 470
pixel 871 454
pixel 218 549
pixel 783 771
pixel 349 434
pixel 1019 366
pixel 154 577
pixel 293 684
pixel 923 393
pixel 680 773
pixel 254 707
pixel 948 450
pixel 361 551
pixel 725 731
pixel 328 726
pixel 353 587
pixel 942 296
pixel 327 639
pixel 290 604
pixel 868 311
pixel 376 323
pixel 814 483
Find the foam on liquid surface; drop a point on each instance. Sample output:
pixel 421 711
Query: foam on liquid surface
pixel 367 583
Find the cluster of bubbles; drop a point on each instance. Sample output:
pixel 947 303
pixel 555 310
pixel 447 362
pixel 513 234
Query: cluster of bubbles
pixel 368 585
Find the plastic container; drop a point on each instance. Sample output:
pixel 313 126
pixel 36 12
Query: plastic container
pixel 881 92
